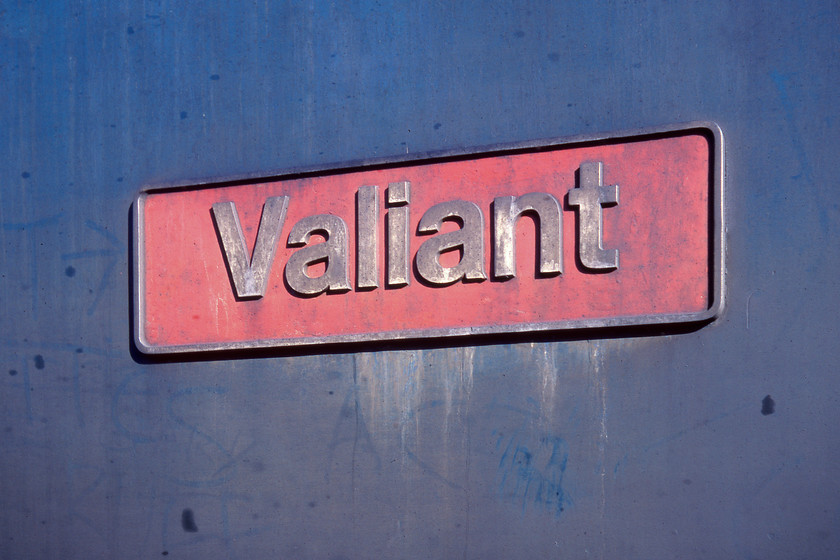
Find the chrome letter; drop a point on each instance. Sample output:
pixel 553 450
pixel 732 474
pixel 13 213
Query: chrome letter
pixel 250 275
pixel 333 252
pixel 549 222
pixel 590 198
pixel 470 239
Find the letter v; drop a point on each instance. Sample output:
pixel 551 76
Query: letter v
pixel 250 276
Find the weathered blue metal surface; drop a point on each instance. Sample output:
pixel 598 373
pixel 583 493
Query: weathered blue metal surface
pixel 713 443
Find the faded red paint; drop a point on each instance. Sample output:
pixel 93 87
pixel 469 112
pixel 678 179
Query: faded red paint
pixel 661 228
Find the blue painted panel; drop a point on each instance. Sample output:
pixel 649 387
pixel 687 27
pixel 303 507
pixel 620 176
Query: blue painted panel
pixel 713 443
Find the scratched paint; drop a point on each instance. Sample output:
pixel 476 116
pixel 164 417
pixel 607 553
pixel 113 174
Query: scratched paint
pixel 102 450
pixel 397 388
pixel 531 474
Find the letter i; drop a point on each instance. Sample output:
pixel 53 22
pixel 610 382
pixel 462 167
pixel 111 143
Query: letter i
pixel 397 222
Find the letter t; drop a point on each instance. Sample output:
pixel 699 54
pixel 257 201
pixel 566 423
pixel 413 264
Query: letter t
pixel 590 198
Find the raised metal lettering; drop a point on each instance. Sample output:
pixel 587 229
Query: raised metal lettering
pixel 332 252
pixel 397 255
pixel 250 275
pixel 367 237
pixel 549 223
pixel 590 197
pixel 469 239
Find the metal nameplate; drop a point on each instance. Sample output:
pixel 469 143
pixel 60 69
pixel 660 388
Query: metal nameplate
pixel 584 232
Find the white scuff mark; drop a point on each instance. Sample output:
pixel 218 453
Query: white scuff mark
pixel 368 388
pixel 547 370
pixel 467 374
pixel 467 367
pixel 410 394
pixel 749 299
pixel 389 389
pixel 457 382
pixel 603 437
pixel 217 317
pixel 456 379
pixel 449 375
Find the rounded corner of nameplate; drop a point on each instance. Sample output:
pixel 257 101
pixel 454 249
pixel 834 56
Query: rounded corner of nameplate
pixel 711 129
pixel 716 311
pixel 143 346
pixel 710 315
pixel 139 200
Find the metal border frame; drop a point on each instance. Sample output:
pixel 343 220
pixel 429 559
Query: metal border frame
pixel 716 241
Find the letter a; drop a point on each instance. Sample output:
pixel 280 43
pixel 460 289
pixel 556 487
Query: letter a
pixel 469 239
pixel 333 252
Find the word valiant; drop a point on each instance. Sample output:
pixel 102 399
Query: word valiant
pixel 249 275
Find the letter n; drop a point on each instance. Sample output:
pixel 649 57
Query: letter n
pixel 549 224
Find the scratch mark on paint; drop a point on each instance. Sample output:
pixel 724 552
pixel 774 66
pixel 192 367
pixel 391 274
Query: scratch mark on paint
pixel 708 421
pixel 211 528
pixel 74 471
pixel 27 391
pixel 351 427
pixel 77 391
pixel 59 346
pixel 33 251
pixel 749 300
pixel 112 255
pixel 547 370
pixel 430 471
pixel 531 467
pixel 408 450
pixel 532 474
pixel 781 81
pixel 215 479
pixel 119 393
